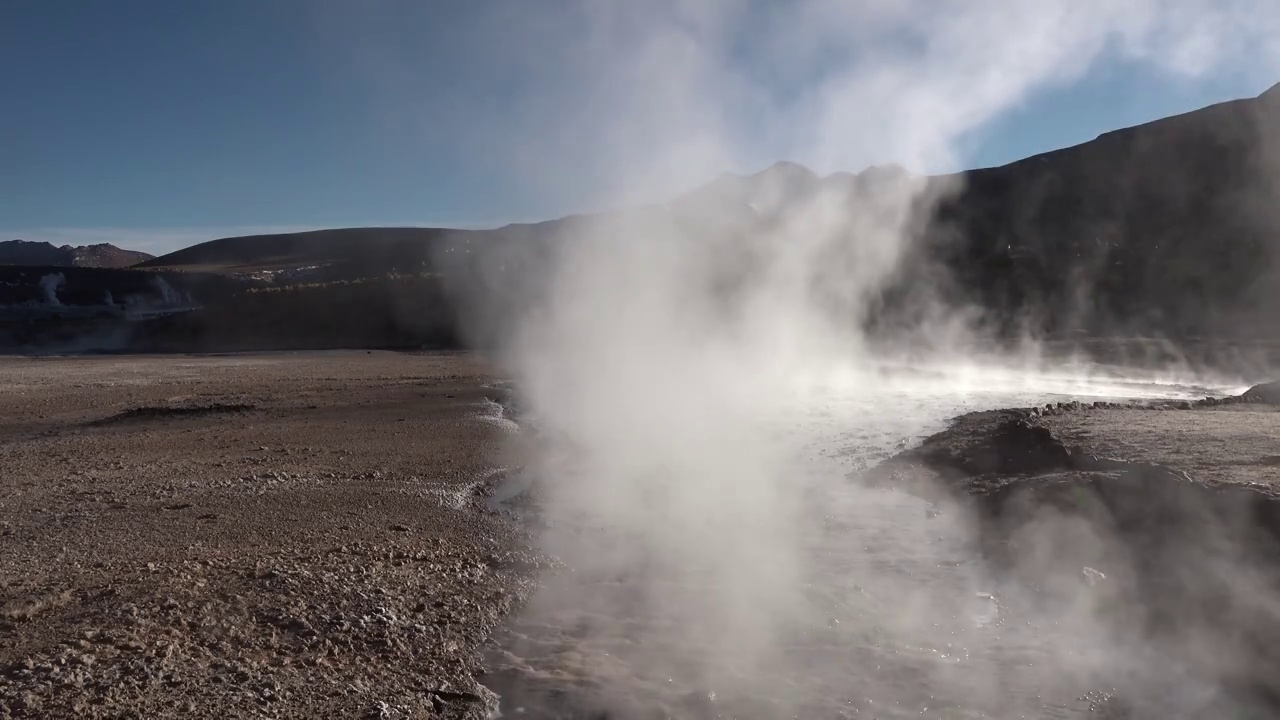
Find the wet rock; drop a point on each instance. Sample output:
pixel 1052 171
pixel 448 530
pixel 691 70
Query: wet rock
pixel 1012 446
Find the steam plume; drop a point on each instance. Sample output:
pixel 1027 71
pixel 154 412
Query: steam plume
pixel 669 344
pixel 49 285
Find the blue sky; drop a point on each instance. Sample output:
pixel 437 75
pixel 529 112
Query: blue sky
pixel 159 124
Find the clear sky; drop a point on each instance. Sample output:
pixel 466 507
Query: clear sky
pixel 158 124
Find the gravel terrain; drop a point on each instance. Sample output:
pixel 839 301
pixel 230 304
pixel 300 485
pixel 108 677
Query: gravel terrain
pixel 1234 443
pixel 277 535
pixel 309 535
pixel 1159 523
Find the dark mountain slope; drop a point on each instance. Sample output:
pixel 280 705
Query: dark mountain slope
pixel 1171 229
pixel 360 250
pixel 1168 227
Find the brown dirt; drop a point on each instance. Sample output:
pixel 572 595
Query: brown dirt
pixel 278 535
pixel 1229 443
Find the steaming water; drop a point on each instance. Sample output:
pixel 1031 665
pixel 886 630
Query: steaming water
pixel 901 618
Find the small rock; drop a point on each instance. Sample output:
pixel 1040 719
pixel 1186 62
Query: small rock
pixel 1093 577
pixel 28 702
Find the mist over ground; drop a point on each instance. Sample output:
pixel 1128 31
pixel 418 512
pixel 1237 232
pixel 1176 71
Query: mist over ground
pixel 679 362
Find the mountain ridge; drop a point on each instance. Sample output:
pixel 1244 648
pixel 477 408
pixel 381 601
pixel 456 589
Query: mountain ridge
pixel 1166 228
pixel 99 255
pixel 780 167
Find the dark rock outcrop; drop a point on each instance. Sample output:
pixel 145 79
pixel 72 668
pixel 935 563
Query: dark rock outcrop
pixel 1267 393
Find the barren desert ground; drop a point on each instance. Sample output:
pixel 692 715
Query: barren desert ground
pixel 308 535
pixel 278 535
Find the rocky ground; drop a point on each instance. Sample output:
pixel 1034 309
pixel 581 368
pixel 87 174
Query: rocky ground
pixel 1163 520
pixel 308 534
pixel 279 535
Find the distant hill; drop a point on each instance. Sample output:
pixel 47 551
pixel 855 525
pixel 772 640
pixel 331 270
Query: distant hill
pixel 103 255
pixel 358 250
pixel 1167 229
